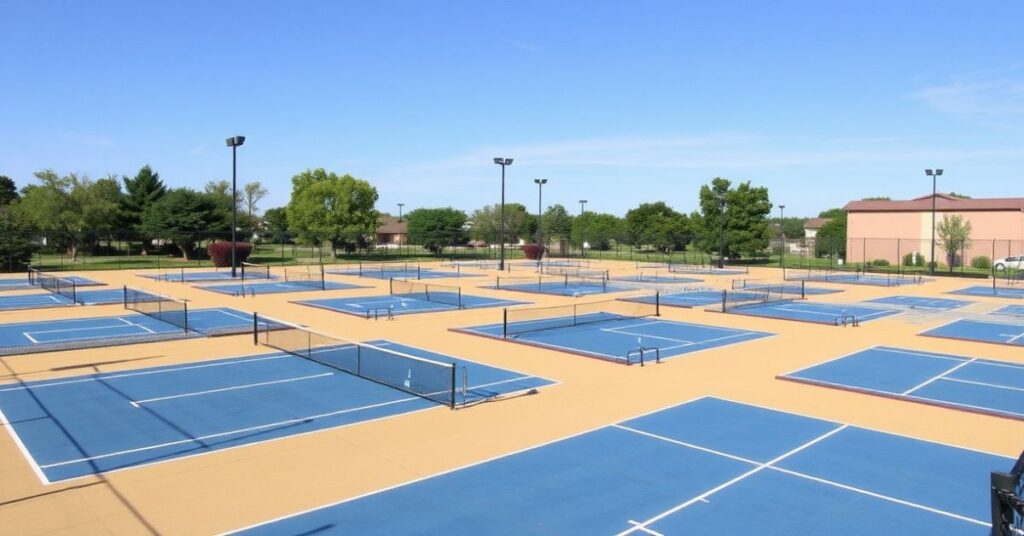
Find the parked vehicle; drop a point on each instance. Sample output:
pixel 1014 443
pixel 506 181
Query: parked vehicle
pixel 1015 263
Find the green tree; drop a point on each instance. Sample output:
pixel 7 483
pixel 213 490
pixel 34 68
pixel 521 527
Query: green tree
pixel 793 228
pixel 557 223
pixel 597 230
pixel 253 193
pixel 180 216
pixel 437 228
pixel 67 208
pixel 832 213
pixel 831 238
pixel 954 234
pixel 8 191
pixel 338 208
pixel 101 204
pixel 276 220
pixel 657 225
pixel 141 191
pixel 16 245
pixel 744 220
pixel 485 223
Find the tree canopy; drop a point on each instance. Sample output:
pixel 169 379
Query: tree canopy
pixel 8 190
pixel 557 223
pixel 597 230
pixel 954 233
pixel 326 206
pixel 141 191
pixel 744 220
pixel 486 222
pixel 437 228
pixel 657 225
pixel 182 216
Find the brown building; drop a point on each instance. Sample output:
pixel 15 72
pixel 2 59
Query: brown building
pixel 393 231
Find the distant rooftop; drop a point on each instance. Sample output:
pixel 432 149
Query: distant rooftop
pixel 943 202
pixel 816 223
pixel 391 225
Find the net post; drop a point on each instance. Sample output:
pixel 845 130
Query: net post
pixel 1002 484
pixel 803 290
pixel 124 289
pixel 323 278
pixel 725 298
pixel 255 329
pixel 391 286
pixel 460 297
pixel 504 323
pixel 418 274
pixel 74 291
pixel 657 303
pixel 185 321
pixel 452 394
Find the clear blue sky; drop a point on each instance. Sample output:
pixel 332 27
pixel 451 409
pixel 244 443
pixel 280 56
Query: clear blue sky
pixel 616 102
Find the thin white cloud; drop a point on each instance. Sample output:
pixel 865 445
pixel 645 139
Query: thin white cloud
pixel 199 150
pixel 986 95
pixel 87 140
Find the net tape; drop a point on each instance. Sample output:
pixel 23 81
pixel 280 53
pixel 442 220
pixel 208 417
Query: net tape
pixel 54 284
pixel 518 321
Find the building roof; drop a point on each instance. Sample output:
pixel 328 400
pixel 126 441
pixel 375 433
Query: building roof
pixel 391 225
pixel 943 202
pixel 816 223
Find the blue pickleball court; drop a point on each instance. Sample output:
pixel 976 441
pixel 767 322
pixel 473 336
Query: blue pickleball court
pixel 964 383
pixel 921 302
pixel 832 314
pixel 393 305
pixel 988 291
pixel 979 331
pixel 276 287
pixel 705 467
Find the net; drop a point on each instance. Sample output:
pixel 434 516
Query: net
pixel 307 277
pixel 387 270
pixel 733 299
pixel 252 270
pixel 543 282
pixel 739 284
pixel 170 310
pixel 54 284
pixel 422 377
pixel 448 295
pixel 532 319
pixel 1008 280
pixel 652 265
pixel 574 271
pixel 808 274
pixel 1008 501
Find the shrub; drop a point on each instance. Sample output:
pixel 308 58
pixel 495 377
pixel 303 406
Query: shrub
pixel 912 259
pixel 982 263
pixel 879 262
pixel 220 253
pixel 533 251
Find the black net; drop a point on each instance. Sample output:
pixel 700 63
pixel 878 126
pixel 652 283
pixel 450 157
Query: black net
pixel 446 294
pixel 307 277
pixel 734 299
pixel 532 319
pixel 422 377
pixel 386 270
pixel 167 309
pixel 1008 501
pixel 54 284
pixel 542 282
pixel 577 272
pixel 255 271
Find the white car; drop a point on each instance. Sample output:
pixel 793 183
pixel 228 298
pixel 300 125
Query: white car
pixel 1009 262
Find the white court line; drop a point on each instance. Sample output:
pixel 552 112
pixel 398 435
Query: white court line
pixel 644 335
pixel 984 384
pixel 760 467
pixel 4 423
pixel 1013 338
pixel 932 379
pixel 30 337
pixel 771 466
pixel 232 388
pixel 645 530
pixel 227 312
pixel 94 328
pixel 114 376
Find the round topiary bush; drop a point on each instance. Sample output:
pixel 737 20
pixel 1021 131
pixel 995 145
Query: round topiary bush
pixel 220 253
pixel 982 263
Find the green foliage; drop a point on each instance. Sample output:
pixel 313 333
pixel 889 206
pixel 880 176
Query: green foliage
pixel 880 262
pixel 327 206
pixel 252 194
pixel 657 225
pixel 180 216
pixel 65 207
pixel 141 191
pixel 486 223
pixel 597 230
pixel 16 246
pixel 912 259
pixel 557 223
pixel 437 228
pixel 8 191
pixel 793 228
pixel 832 213
pixel 276 220
pixel 961 196
pixel 745 219
pixel 954 235
pixel 981 262
pixel 831 238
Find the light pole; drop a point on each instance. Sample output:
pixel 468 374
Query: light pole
pixel 934 174
pixel 503 162
pixel 721 231
pixel 583 208
pixel 782 233
pixel 400 205
pixel 234 142
pixel 540 215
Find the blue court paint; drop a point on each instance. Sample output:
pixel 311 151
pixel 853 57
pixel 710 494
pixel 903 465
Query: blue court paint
pixel 374 306
pixel 988 291
pixel 33 301
pixel 275 287
pixel 975 330
pixel 688 299
pixel 692 469
pixel 814 312
pixel 85 425
pixel 22 283
pixel 78 280
pixel 864 279
pixel 969 384
pixel 919 302
pixel 100 297
pixel 219 321
pixel 1010 310
pixel 422 273
pixel 667 279
pixel 558 288
pixel 615 338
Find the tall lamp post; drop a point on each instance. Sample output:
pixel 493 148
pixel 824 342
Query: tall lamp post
pixel 400 205
pixel 234 142
pixel 583 208
pixel 934 174
pixel 540 215
pixel 721 231
pixel 503 162
pixel 782 234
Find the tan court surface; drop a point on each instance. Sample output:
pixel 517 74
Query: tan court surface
pixel 234 488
